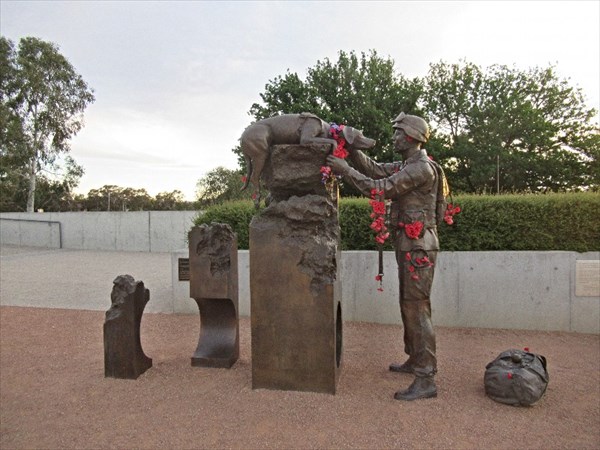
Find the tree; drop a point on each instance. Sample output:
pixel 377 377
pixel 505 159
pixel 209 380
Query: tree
pixel 495 129
pixel 42 104
pixel 504 129
pixel 100 199
pixel 57 195
pixel 220 185
pixel 165 201
pixel 363 91
pixel 115 198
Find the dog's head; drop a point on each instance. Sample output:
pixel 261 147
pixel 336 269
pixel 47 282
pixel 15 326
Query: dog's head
pixel 355 138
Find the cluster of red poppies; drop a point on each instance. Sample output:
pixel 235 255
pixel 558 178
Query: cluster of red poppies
pixel 378 216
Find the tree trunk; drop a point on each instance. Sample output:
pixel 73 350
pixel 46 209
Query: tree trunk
pixel 32 184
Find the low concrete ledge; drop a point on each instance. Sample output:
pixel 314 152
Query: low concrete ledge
pixel 543 291
pixel 514 290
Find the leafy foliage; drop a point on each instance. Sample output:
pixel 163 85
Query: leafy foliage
pixel 362 91
pixel 354 225
pixel 236 214
pixel 528 127
pixel 220 185
pixel 115 198
pixel 170 201
pixel 42 101
pixel 495 129
pixel 56 196
pixel 565 221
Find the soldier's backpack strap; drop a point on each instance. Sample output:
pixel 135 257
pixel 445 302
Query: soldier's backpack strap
pixel 443 192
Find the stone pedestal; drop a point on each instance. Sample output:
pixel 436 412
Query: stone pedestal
pixel 296 313
pixel 214 287
pixel 123 354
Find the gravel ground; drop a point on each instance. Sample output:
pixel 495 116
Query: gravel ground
pixel 53 393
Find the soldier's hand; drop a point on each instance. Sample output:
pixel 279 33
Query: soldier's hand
pixel 338 165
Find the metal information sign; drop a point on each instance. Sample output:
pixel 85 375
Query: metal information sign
pixel 184 269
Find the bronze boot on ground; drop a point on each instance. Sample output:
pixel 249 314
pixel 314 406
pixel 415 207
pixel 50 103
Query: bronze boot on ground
pixel 405 367
pixel 422 387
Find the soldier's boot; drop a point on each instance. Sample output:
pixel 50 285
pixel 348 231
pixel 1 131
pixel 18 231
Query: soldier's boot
pixel 405 367
pixel 422 387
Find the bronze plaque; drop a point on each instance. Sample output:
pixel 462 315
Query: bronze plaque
pixel 184 269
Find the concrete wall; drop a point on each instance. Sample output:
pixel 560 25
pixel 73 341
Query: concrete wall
pixel 514 290
pixel 519 290
pixel 139 231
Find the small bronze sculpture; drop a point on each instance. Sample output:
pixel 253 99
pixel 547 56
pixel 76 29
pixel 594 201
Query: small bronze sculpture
pixel 123 354
pixel 415 187
pixel 305 128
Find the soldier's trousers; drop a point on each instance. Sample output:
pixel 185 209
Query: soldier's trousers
pixel 415 272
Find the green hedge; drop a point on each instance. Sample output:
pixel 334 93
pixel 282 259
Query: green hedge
pixel 486 222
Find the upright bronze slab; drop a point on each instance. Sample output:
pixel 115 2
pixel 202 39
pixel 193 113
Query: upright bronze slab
pixel 214 285
pixel 123 354
pixel 296 314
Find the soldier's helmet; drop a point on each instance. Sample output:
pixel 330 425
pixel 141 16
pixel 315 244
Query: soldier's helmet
pixel 413 126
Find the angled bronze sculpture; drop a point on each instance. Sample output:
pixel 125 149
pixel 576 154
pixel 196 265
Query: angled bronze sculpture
pixel 214 287
pixel 415 188
pixel 304 128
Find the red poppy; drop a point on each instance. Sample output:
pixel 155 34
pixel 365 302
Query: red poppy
pixel 378 225
pixel 451 210
pixel 378 207
pixel 381 238
pixel 340 151
pixel 413 230
pixel 378 214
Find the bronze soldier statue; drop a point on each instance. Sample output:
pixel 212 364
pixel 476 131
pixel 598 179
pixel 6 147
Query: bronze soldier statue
pixel 415 188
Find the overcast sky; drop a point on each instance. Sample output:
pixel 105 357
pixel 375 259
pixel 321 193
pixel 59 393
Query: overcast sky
pixel 174 80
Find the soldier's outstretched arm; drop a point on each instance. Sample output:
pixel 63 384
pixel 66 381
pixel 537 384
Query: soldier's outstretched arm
pixel 371 168
pixel 392 186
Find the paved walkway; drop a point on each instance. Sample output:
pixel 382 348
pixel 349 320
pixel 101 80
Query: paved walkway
pixel 79 279
pixel 53 393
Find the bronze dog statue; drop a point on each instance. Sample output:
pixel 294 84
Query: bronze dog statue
pixel 302 128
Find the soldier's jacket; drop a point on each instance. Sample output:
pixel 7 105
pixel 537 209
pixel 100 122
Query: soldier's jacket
pixel 413 188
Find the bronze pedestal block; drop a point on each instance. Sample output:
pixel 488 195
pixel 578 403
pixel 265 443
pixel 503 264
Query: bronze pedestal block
pixel 296 313
pixel 123 354
pixel 214 287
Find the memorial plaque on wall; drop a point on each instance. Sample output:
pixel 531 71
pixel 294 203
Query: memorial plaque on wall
pixel 587 278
